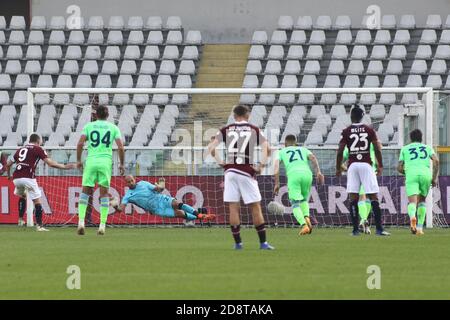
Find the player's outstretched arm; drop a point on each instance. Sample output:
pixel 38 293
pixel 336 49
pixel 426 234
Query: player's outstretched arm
pixel 378 156
pixel 276 174
pixel 8 168
pixel 435 160
pixel 80 145
pixel 52 163
pixel 212 150
pixel 339 158
pixel 121 151
pixel 401 167
pixel 319 176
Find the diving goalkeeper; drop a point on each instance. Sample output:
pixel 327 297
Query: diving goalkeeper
pixel 149 197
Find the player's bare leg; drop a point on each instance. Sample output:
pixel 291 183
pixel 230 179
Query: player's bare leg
pixel 354 214
pixel 38 215
pixel 104 209
pixel 235 223
pixel 260 225
pixel 377 214
pixel 22 209
pixel 412 210
pixel 82 208
pixel 421 213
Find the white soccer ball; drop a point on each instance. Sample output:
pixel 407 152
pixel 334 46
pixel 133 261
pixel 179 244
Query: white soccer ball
pixel 114 202
pixel 275 208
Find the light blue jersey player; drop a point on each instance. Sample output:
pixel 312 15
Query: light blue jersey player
pixel 149 197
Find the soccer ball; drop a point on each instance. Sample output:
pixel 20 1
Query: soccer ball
pixel 114 202
pixel 275 208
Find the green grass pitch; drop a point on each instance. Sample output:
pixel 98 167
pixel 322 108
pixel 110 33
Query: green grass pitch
pixel 158 263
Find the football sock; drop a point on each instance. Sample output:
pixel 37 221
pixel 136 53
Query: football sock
pixel 298 214
pixel 304 205
pixel 190 216
pixel 22 207
pixel 377 214
pixel 421 214
pixel 362 210
pixel 236 231
pixel 82 207
pixel 261 230
pixel 38 214
pixel 369 208
pixel 412 207
pixel 354 214
pixel 187 208
pixel 104 209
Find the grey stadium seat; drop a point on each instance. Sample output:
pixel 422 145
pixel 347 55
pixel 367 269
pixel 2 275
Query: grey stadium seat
pixel 190 53
pixel 73 53
pixel 342 22
pixel 256 52
pixel 76 37
pixel 187 67
pixel 154 23
pixel 438 67
pixel 54 52
pixel 174 37
pixel 171 53
pixel 112 53
pixel 445 37
pixel 311 67
pixel 70 67
pixel 355 67
pixel 259 37
pixel 336 67
pixel 419 67
pixel 428 37
pixel 314 52
pixel 285 23
pixel 33 67
pixel 95 37
pixel 295 52
pixel 132 53
pixel 16 37
pixel 167 67
pixel 423 52
pixel 173 23
pixel 394 67
pixel 298 37
pixel 388 21
pixel 193 37
pixel 442 52
pixel 292 67
pixel 115 37
pixel 434 81
pixel 278 37
pixel 148 67
pixel 382 37
pixel 135 37
pixel 135 23
pixel 109 67
pixel 323 22
pixel 253 67
pixel 116 23
pixel 51 67
pixel 402 37
pixel 359 52
pixel 17 23
pixel 57 23
pixel 340 52
pixel 93 53
pixel 317 37
pixel 90 67
pixel 273 67
pixel 95 23
pixel 407 21
pixel 151 53
pixel 344 37
pixel 363 37
pixel 398 52
pixel 14 52
pixel 36 37
pixel 304 23
pixel 379 52
pixel 128 67
pixel 57 38
pixel 375 67
pixel 34 53
pixel 38 23
pixel 276 52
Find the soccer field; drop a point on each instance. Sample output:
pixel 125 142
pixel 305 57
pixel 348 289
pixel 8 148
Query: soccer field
pixel 150 263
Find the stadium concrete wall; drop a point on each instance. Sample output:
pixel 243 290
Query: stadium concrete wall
pixel 233 21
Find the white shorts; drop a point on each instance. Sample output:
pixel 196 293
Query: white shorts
pixel 240 185
pixel 24 185
pixel 361 174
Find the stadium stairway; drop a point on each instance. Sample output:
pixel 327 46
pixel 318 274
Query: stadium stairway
pixel 221 66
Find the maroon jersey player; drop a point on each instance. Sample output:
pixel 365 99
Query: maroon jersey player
pixel 241 138
pixel 26 159
pixel 357 138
